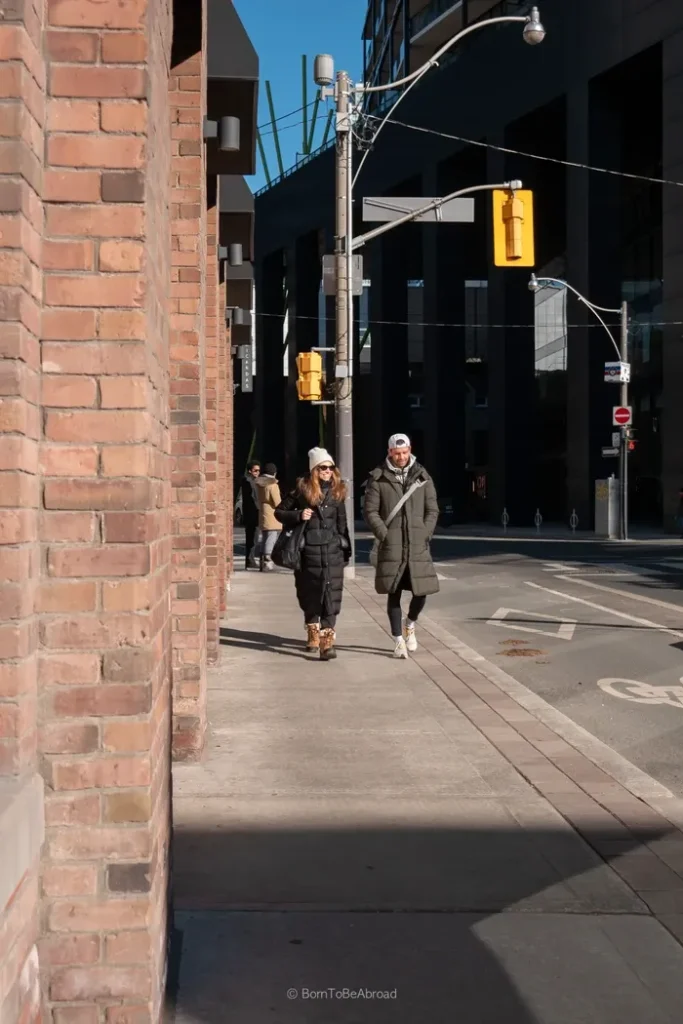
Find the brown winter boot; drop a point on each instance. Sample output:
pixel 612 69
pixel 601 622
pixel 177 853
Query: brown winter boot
pixel 313 642
pixel 327 651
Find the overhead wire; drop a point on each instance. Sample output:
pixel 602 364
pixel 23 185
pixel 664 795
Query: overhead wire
pixel 633 324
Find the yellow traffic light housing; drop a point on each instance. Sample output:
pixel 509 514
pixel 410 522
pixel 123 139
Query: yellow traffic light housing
pixel 309 384
pixel 513 228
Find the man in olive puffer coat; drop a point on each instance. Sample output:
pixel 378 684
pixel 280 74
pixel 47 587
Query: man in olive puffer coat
pixel 404 561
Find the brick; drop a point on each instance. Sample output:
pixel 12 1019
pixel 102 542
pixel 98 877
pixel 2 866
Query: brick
pixel 126 737
pixel 18 679
pixel 68 880
pixel 73 527
pixel 124 48
pixel 129 1015
pixel 67 325
pixel 11 196
pixel 66 596
pixel 70 187
pixel 103 915
pixel 94 290
pixel 98 82
pixel 129 877
pixel 100 358
pixel 17 526
pixel 88 842
pixel 68 255
pixel 20 453
pixel 126 527
pixel 72 810
pixel 120 256
pixel 73 738
pixel 128 947
pixel 69 392
pixel 129 806
pixel 76 1015
pixel 128 666
pixel 98 495
pixel 112 560
pixel 96 982
pixel 99 426
pixel 60 460
pixel 128 324
pixel 60 950
pixel 102 14
pixel 85 632
pixel 125 460
pixel 71 669
pixel 98 151
pixel 95 221
pixel 73 116
pixel 72 47
pixel 128 187
pixel 97 701
pixel 129 116
pixel 127 596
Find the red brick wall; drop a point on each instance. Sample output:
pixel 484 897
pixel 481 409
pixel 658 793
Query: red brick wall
pixel 188 439
pixel 22 115
pixel 105 531
pixel 223 460
pixel 214 336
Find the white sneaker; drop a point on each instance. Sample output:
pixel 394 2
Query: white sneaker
pixel 400 650
pixel 409 636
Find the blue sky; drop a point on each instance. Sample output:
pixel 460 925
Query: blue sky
pixel 283 30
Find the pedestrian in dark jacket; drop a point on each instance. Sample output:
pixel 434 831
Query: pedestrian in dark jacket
pixel 404 561
pixel 250 510
pixel 318 500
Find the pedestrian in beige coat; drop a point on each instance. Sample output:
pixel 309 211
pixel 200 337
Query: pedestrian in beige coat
pixel 268 493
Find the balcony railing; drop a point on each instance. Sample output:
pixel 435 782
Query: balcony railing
pixel 437 8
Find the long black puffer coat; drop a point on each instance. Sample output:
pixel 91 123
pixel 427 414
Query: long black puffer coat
pixel 320 581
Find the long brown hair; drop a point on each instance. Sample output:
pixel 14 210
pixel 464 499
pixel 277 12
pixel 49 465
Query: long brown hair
pixel 310 487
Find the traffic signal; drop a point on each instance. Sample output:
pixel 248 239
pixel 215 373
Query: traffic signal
pixel 513 228
pixel 309 383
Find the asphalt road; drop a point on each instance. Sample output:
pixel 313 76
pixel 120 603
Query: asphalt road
pixel 595 629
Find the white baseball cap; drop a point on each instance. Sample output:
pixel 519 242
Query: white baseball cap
pixel 399 441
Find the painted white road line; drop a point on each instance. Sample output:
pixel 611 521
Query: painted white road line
pixel 638 598
pixel 565 630
pixel 603 608
pixel 643 693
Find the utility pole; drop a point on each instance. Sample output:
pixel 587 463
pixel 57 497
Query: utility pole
pixel 623 447
pixel 343 244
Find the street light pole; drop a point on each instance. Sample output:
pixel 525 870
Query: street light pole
pixel 344 302
pixel 622 353
pixel 345 96
pixel 623 446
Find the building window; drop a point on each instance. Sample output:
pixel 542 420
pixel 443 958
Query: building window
pixel 476 319
pixel 415 305
pixel 364 334
pixel 550 330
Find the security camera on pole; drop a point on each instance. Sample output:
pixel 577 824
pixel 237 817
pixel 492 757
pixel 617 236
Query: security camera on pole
pixel 346 96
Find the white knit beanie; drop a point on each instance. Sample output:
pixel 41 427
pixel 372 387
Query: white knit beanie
pixel 317 456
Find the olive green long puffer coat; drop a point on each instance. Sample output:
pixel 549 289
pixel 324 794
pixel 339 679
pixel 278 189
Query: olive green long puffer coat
pixel 405 544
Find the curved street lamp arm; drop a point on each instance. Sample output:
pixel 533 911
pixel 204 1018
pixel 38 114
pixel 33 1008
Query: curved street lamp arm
pixel 361 240
pixel 439 53
pixel 594 309
pixel 413 79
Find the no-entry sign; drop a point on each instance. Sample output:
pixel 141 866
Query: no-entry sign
pixel 621 415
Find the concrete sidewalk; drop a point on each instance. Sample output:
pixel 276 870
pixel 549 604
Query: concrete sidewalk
pixel 372 840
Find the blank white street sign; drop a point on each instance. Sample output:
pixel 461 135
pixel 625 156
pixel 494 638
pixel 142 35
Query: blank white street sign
pixel 386 208
pixel 565 629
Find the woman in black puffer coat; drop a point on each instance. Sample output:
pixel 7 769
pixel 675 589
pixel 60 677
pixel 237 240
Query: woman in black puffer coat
pixel 318 500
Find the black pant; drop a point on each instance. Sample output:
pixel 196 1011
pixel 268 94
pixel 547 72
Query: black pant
pixel 394 605
pixel 326 621
pixel 250 536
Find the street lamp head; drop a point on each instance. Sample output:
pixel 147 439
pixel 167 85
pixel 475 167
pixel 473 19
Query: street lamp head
pixel 534 32
pixel 534 285
pixel 323 69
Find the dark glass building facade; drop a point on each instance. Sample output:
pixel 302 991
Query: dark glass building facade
pixel 502 390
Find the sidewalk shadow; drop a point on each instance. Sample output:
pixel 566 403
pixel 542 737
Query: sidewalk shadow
pixel 287 645
pixel 422 912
